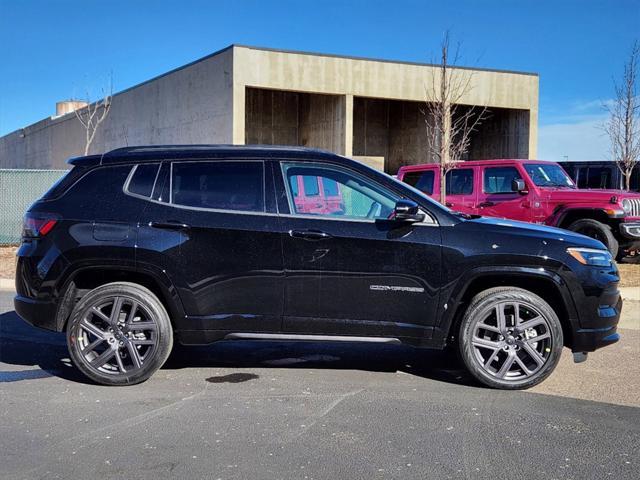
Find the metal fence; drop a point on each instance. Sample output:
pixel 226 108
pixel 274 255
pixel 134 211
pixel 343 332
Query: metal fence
pixel 18 190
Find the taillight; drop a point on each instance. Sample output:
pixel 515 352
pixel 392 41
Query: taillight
pixel 38 224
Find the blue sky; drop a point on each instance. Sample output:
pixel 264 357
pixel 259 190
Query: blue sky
pixel 52 50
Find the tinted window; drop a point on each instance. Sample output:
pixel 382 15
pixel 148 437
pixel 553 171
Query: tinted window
pixel 143 179
pixel 423 181
pixel 310 185
pixel 498 179
pixel 219 185
pixel 355 196
pixel 460 181
pixel 635 179
pixel 598 177
pixel 161 188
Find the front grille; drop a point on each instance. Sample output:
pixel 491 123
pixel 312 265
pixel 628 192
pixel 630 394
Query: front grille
pixel 635 207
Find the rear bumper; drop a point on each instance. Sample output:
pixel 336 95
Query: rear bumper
pixel 38 313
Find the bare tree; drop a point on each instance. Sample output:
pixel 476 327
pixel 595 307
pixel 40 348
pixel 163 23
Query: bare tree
pixel 94 114
pixel 449 124
pixel 623 126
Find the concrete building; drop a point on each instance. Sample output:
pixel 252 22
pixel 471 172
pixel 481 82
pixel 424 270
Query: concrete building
pixel 363 108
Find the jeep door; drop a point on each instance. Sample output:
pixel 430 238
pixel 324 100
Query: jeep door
pixel 352 271
pixel 498 199
pixel 461 190
pixel 216 234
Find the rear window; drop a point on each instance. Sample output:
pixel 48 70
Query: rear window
pixel 143 179
pixel 423 181
pixel 65 182
pixel 219 185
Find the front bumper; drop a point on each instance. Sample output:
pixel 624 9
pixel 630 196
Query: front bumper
pixel 630 230
pixel 38 313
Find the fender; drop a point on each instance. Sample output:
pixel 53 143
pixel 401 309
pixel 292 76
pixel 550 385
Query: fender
pixel 561 211
pixel 453 293
pixel 160 278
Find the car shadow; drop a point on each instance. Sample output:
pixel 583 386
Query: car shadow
pixel 24 345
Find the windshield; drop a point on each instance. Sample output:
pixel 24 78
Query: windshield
pixel 549 175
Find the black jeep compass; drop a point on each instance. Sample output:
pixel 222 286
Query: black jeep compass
pixel 142 245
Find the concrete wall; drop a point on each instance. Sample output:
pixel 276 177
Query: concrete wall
pixel 295 71
pixel 504 134
pixel 275 117
pixel 189 105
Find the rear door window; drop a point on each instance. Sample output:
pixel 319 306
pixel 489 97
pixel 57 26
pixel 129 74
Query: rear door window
pixel 423 181
pixel 221 185
pixel 460 181
pixel 499 179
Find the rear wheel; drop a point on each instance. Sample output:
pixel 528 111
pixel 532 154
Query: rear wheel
pixel 119 334
pixel 510 338
pixel 598 230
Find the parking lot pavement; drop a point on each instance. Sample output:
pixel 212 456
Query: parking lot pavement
pixel 277 410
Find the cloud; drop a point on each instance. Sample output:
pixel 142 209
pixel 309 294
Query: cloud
pixel 576 137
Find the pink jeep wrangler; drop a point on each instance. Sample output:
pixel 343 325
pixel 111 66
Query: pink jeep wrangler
pixel 535 191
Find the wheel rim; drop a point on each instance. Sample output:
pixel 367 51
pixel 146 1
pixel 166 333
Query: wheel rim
pixel 512 341
pixel 116 336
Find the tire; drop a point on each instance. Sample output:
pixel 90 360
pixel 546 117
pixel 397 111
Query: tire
pixel 122 349
pixel 598 230
pixel 510 363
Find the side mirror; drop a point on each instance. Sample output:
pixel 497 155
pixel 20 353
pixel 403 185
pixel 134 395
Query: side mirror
pixel 407 211
pixel 518 185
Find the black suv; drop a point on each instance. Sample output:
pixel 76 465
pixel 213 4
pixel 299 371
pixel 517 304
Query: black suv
pixel 203 243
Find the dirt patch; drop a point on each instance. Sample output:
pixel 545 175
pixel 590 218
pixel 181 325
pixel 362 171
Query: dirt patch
pixel 8 262
pixel 629 274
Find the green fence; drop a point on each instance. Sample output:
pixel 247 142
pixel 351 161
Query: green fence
pixel 18 190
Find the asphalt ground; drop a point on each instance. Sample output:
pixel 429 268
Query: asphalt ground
pixel 308 410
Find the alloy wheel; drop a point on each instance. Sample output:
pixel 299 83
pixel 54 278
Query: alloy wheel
pixel 512 341
pixel 116 335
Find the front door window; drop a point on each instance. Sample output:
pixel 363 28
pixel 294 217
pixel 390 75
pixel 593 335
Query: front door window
pixel 328 191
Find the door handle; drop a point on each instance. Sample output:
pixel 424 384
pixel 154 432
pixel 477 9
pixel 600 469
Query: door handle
pixel 448 204
pixel 170 225
pixel 486 204
pixel 309 234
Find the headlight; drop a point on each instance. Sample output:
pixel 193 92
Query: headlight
pixel 591 256
pixel 626 206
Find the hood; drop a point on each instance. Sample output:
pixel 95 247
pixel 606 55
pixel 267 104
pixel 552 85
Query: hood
pixel 581 195
pixel 543 232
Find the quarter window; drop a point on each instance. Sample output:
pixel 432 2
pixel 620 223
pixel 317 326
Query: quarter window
pixel 219 185
pixel 499 179
pixel 460 181
pixel 143 179
pixel 349 195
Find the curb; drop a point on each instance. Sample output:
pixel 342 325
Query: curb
pixel 7 284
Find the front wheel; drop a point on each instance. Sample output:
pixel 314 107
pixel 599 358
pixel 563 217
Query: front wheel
pixel 510 338
pixel 119 334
